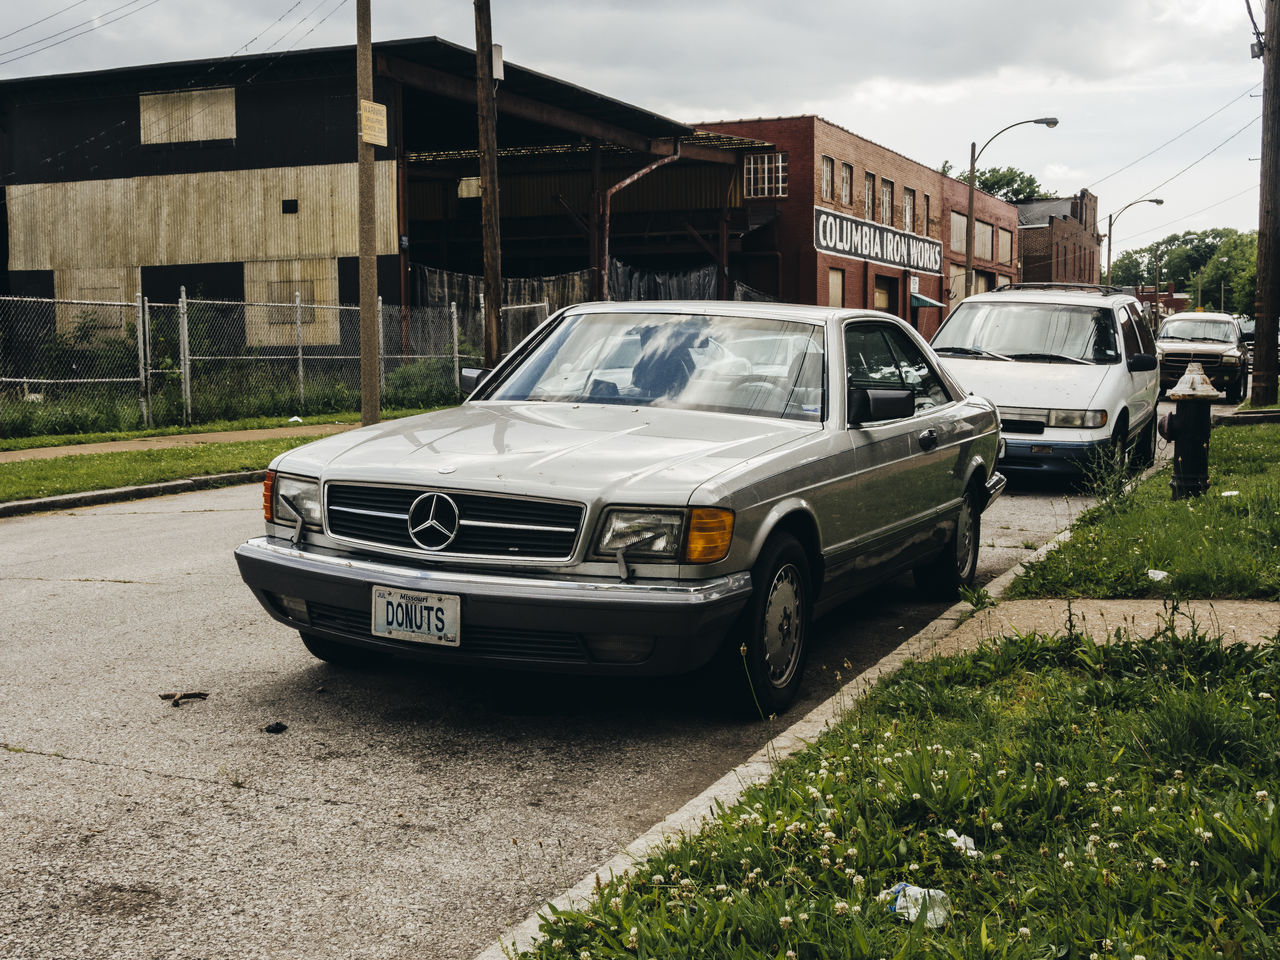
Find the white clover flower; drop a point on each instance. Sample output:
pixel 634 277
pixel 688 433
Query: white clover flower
pixel 615 903
pixel 784 922
pixel 1139 956
pixel 997 827
pixel 915 796
pixel 1261 796
pixel 1062 783
pixel 790 955
pixel 1002 772
pixel 1068 865
pixel 557 944
pixel 914 868
pixel 721 888
pixel 1091 787
pixel 1117 810
pixel 1094 838
pixel 1106 944
pixel 659 878
pixel 1113 845
pixel 1094 956
pixel 1039 767
pixel 858 879
pixel 1171 791
pixel 1158 864
pixel 804 918
pixel 996 857
pixel 1151 809
pixel 1111 779
pixel 1024 933
pixel 584 955
pixel 828 836
pixel 840 908
pixel 633 940
pixel 686 882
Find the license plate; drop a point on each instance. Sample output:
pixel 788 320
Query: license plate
pixel 420 617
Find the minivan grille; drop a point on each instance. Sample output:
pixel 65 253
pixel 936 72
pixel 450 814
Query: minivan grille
pixel 489 525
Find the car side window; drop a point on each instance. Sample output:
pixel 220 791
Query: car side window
pixel 1129 334
pixel 881 357
pixel 1145 340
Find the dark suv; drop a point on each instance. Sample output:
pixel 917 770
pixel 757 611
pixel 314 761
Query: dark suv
pixel 1213 340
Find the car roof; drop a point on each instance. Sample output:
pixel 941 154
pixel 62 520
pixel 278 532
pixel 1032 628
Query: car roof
pixel 802 313
pixel 1053 294
pixel 1199 315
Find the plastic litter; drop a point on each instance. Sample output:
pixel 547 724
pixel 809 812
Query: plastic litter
pixel 1157 575
pixel 906 900
pixel 295 419
pixel 964 844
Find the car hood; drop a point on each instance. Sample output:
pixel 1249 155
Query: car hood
pixel 562 451
pixel 1217 347
pixel 1058 386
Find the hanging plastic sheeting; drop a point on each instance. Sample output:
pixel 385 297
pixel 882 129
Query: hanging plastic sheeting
pixel 628 283
pixel 743 292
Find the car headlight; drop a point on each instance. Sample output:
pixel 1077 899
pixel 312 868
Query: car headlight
pixel 1078 419
pixel 1231 359
pixel 660 534
pixel 300 493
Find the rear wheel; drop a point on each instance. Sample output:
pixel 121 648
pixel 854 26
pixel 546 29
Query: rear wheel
pixel 338 654
pixel 957 564
pixel 765 654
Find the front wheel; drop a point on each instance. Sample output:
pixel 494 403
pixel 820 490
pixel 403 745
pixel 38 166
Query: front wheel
pixel 1144 455
pixel 338 654
pixel 767 648
pixel 957 564
pixel 1236 390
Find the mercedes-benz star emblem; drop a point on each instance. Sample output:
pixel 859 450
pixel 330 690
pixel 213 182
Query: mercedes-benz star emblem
pixel 433 521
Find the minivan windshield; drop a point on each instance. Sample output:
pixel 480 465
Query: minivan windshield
pixel 1034 332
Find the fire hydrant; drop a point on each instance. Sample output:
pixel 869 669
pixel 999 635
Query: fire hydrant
pixel 1188 428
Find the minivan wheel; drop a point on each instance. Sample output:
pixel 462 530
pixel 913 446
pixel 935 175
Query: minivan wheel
pixel 765 653
pixel 1144 454
pixel 957 564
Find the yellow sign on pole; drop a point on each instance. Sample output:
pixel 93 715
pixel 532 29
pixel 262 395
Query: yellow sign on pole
pixel 373 123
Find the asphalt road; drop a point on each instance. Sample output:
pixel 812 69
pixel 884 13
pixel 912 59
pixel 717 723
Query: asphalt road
pixel 404 812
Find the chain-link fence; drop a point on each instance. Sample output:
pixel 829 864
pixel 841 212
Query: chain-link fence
pixel 78 367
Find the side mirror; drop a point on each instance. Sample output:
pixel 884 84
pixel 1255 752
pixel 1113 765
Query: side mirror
pixel 1141 362
pixel 471 378
pixel 868 406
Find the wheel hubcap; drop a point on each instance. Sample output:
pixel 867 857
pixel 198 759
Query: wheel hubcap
pixel 783 625
pixel 964 538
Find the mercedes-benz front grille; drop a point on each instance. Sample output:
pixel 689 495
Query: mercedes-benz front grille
pixel 488 525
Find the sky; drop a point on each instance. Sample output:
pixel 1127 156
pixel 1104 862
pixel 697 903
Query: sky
pixel 1155 98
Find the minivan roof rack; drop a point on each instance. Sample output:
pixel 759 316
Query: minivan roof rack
pixel 1055 285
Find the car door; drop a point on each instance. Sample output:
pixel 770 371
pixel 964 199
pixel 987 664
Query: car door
pixel 906 471
pixel 1141 386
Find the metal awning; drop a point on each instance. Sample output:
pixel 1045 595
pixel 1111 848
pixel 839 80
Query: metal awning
pixel 920 300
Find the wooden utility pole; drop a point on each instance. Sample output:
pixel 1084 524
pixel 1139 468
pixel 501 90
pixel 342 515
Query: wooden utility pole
pixel 486 116
pixel 1268 305
pixel 370 348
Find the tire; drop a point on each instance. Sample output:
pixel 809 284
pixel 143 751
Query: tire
pixel 337 654
pixel 1236 389
pixel 957 565
pixel 1118 448
pixel 763 659
pixel 1144 454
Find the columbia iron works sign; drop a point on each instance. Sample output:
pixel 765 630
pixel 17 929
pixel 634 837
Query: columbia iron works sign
pixel 846 236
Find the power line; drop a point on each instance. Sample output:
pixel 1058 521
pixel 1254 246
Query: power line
pixel 74 26
pixel 36 23
pixel 1196 213
pixel 96 26
pixel 1178 137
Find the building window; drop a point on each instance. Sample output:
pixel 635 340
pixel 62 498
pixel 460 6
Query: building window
pixel 869 200
pixel 959 232
pixel 846 184
pixel 188 116
pixel 828 178
pixel 909 210
pixel 982 241
pixel 927 216
pixel 765 175
pixel 835 288
pixel 1005 238
pixel 886 201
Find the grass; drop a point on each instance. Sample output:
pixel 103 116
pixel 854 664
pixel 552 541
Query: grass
pixel 78 473
pixel 217 426
pixel 1111 793
pixel 1222 545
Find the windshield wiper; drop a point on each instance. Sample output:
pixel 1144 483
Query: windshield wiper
pixel 970 352
pixel 1050 358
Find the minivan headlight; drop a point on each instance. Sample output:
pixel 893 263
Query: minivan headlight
pixel 1078 419
pixel 301 493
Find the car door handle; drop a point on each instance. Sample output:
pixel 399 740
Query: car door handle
pixel 928 439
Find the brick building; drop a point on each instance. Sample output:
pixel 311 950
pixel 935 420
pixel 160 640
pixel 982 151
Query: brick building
pixel 1060 240
pixel 995 240
pixel 848 222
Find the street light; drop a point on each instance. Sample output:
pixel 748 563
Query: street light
pixel 974 154
pixel 1113 217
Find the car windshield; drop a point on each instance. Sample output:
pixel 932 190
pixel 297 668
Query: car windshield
pixel 745 365
pixel 1037 332
pixel 1214 330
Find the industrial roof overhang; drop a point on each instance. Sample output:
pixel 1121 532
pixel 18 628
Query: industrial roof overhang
pixel 536 113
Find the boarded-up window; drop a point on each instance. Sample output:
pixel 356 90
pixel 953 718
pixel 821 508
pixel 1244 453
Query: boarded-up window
pixel 959 232
pixel 283 291
pixel 185 116
pixel 982 241
pixel 1006 245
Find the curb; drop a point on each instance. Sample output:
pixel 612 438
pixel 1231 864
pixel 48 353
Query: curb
pixel 759 767
pixel 1246 416
pixel 93 498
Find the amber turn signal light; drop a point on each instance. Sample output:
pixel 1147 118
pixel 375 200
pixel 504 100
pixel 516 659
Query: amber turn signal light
pixel 268 489
pixel 710 533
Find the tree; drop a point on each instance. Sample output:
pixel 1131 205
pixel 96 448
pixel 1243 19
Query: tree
pixel 1008 183
pixel 1220 261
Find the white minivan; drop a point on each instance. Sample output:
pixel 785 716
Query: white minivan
pixel 1071 367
